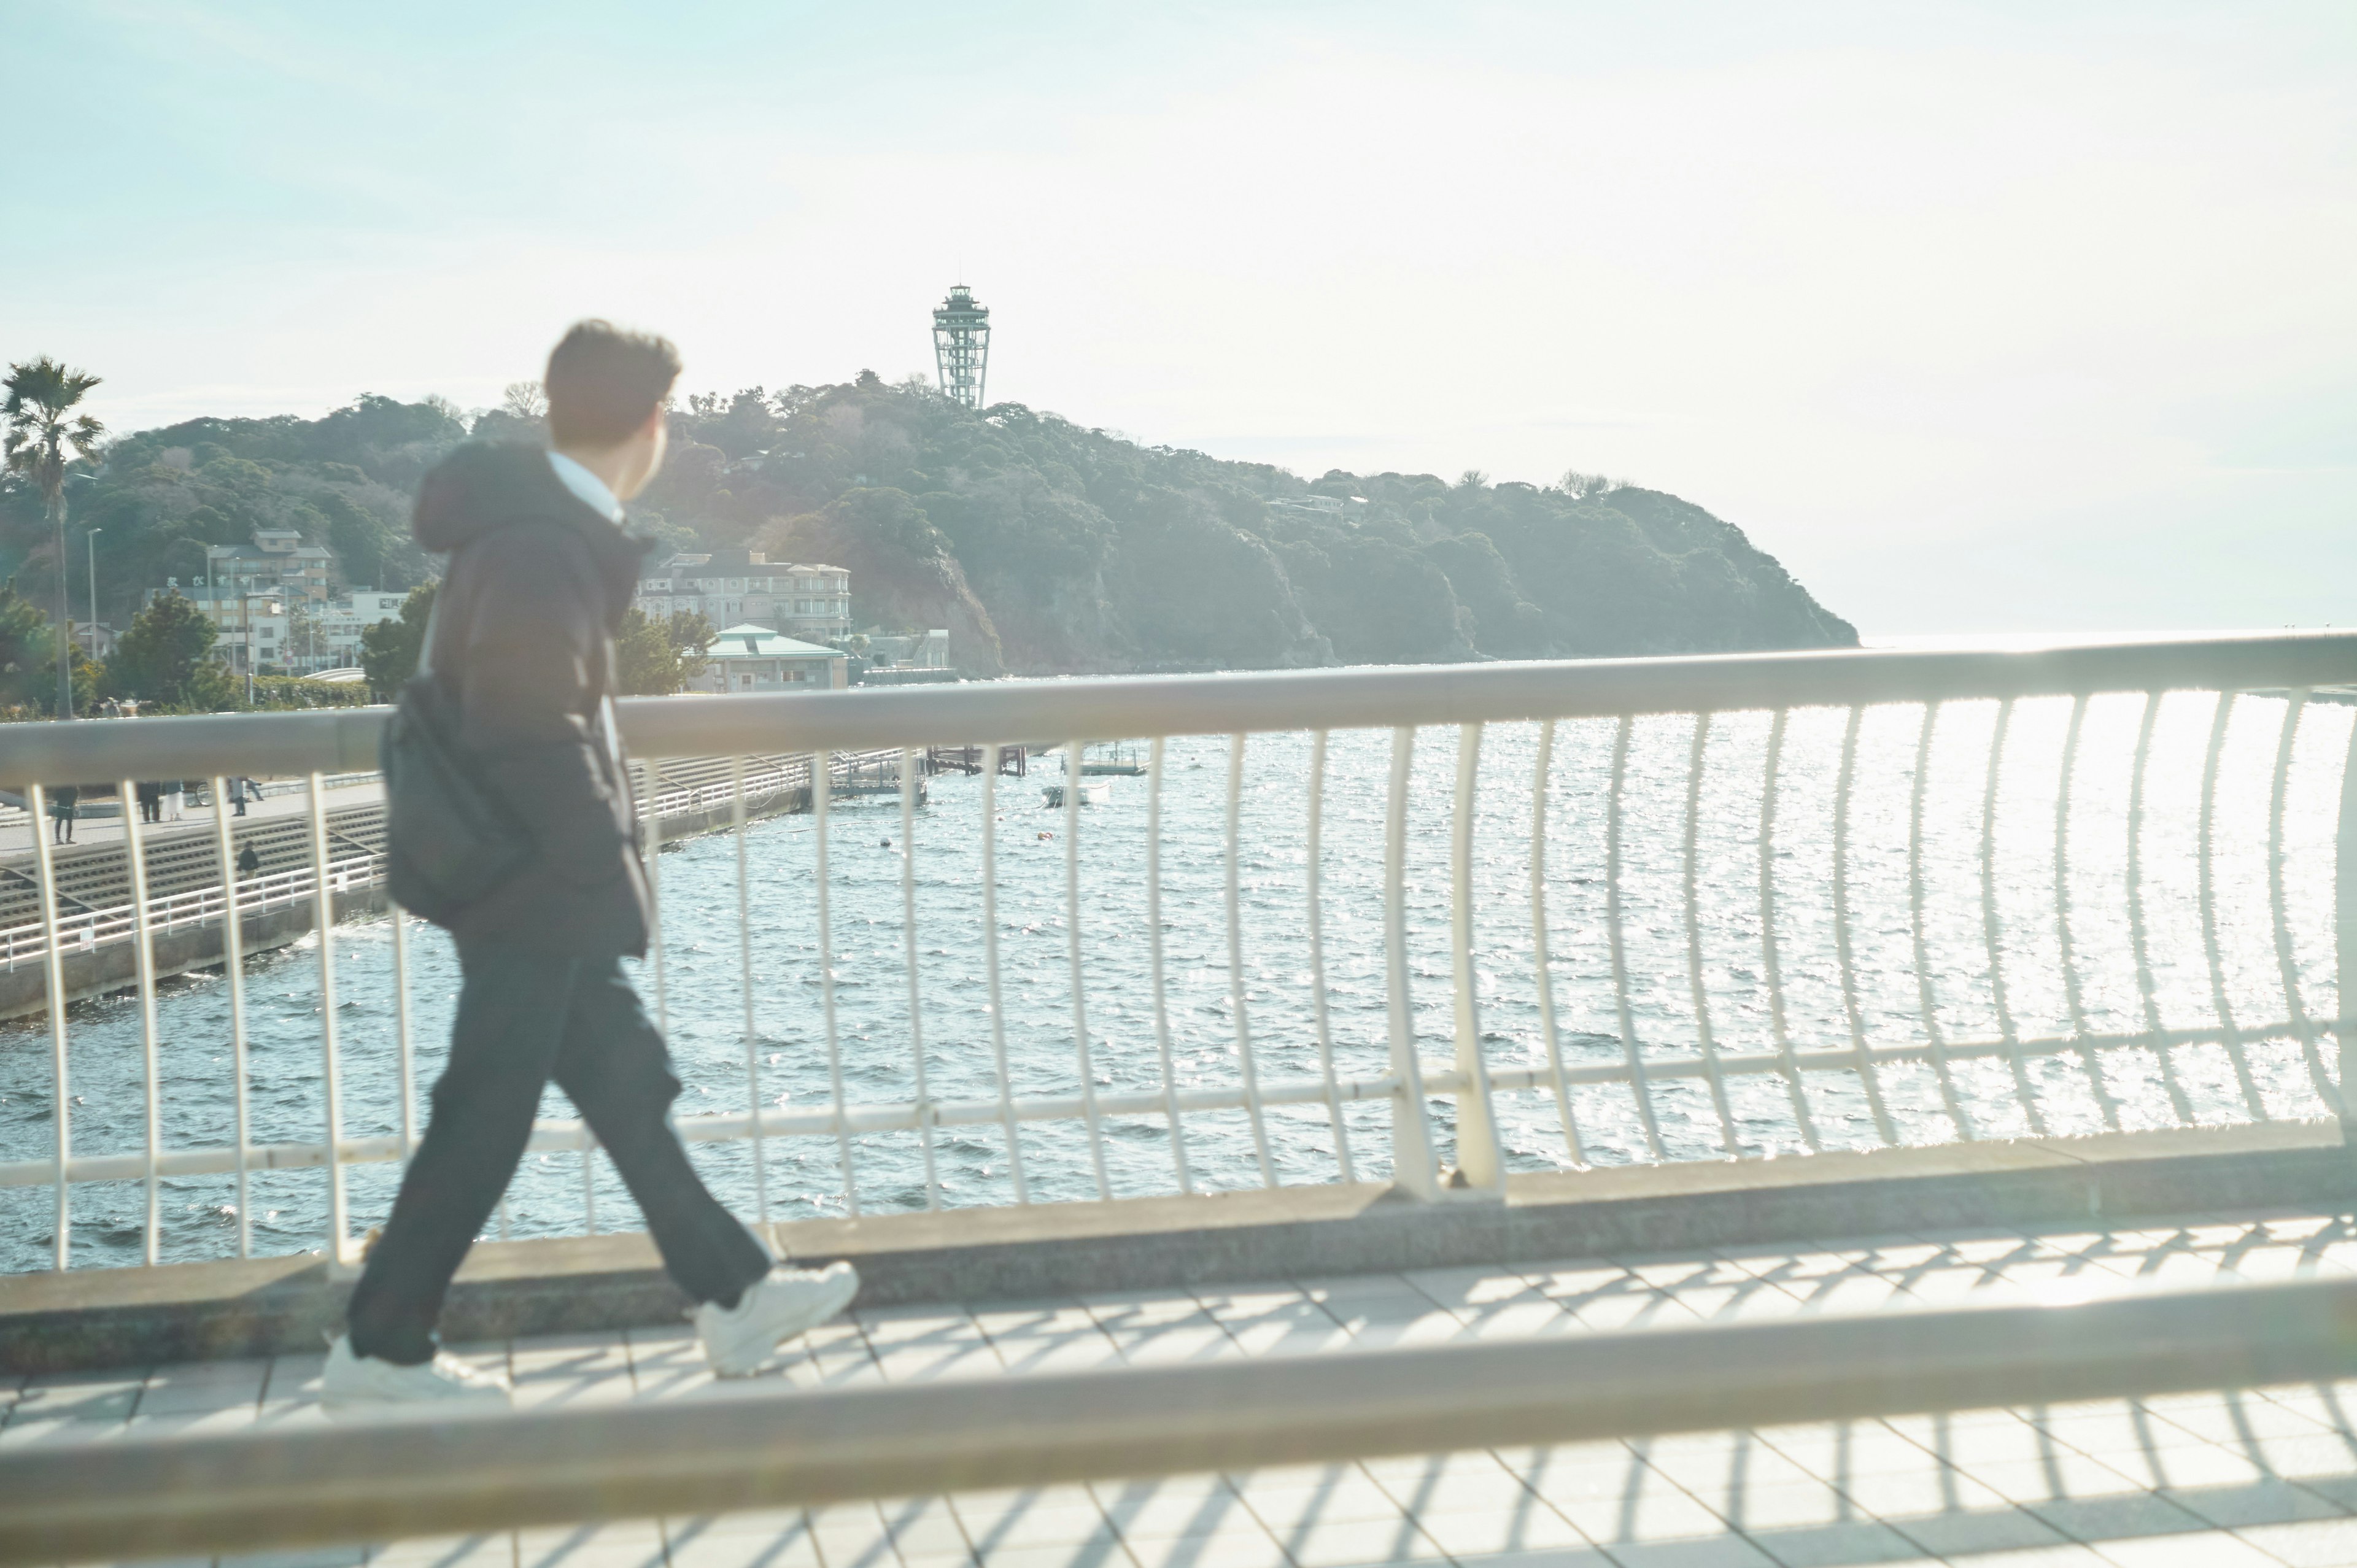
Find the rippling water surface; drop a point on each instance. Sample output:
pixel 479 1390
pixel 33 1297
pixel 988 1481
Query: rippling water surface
pixel 2095 990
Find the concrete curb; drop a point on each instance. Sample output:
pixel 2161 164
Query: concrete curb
pixel 112 1317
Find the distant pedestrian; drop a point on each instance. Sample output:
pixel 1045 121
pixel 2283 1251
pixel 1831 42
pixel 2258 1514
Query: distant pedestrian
pixel 173 790
pixel 521 655
pixel 237 789
pixel 247 863
pixel 62 811
pixel 151 802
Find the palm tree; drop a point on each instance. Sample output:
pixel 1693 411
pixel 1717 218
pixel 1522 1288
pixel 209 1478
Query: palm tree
pixel 42 424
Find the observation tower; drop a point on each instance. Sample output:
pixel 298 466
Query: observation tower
pixel 961 345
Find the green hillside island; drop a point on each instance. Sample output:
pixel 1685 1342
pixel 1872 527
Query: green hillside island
pixel 1045 547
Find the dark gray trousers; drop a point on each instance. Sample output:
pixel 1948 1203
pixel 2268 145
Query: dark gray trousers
pixel 524 1018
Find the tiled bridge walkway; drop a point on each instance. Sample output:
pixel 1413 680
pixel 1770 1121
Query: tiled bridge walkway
pixel 2211 1479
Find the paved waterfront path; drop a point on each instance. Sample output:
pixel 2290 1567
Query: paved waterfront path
pixel 2216 1479
pixel 16 838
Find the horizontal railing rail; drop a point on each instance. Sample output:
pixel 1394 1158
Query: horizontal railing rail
pixel 1624 909
pixel 308 1486
pixel 327 741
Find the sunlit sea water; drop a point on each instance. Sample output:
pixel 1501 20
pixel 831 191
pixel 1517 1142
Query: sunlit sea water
pixel 704 999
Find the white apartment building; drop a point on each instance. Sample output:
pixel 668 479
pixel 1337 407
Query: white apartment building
pixel 256 628
pixel 740 587
pixel 341 621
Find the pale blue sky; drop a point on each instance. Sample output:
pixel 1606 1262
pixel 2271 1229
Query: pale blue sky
pixel 1981 317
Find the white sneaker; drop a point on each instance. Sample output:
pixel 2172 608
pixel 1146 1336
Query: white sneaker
pixel 739 1340
pixel 364 1383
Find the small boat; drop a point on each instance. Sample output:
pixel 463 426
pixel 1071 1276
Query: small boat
pixel 1095 794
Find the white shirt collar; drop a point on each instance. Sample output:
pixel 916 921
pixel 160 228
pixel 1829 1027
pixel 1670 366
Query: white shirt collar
pixel 587 485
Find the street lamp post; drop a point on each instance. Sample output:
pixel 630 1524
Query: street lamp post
pixel 245 614
pixel 91 541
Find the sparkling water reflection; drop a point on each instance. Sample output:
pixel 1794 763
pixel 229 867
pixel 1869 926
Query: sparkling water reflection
pixel 1977 983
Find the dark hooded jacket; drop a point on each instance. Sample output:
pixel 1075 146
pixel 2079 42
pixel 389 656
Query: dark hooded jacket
pixel 523 638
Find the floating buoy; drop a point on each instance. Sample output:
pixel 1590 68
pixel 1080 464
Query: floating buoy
pixel 1046 834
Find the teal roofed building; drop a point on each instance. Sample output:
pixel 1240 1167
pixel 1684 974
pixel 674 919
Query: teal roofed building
pixel 750 657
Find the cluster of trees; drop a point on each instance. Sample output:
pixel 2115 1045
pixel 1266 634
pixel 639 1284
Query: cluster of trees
pixel 165 662
pixel 143 507
pixel 158 498
pixel 1044 546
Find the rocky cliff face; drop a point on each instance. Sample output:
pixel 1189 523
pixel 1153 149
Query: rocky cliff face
pixel 1047 548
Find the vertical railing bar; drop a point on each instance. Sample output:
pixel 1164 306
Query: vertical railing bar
pixel 1082 1057
pixel 1771 960
pixel 1639 1086
pixel 1992 933
pixel 754 1099
pixel 234 971
pixel 821 787
pixel 1479 1160
pixel 990 963
pixel 54 973
pixel 2071 997
pixel 2294 705
pixel 588 1182
pixel 908 927
pixel 1843 786
pixel 2209 901
pixel 1703 1034
pixel 403 1042
pixel 1153 951
pixel 2146 989
pixel 1548 1031
pixel 1252 1113
pixel 150 1055
pixel 2344 917
pixel 1414 1167
pixel 655 897
pixel 324 903
pixel 1317 947
pixel 1923 982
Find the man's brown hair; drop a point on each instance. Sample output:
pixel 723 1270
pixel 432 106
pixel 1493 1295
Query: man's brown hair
pixel 602 383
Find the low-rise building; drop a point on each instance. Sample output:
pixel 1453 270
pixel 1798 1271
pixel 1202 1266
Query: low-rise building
pixel 341 622
pixel 751 657
pixel 276 561
pixel 745 587
pixel 259 627
pixel 251 625
pixel 909 651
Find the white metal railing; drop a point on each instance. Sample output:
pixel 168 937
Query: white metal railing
pixel 1808 879
pixel 85 930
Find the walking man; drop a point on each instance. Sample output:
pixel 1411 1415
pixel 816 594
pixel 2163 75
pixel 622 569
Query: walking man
pixel 540 574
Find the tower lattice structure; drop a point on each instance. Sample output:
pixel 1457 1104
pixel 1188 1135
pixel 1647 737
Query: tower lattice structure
pixel 962 346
